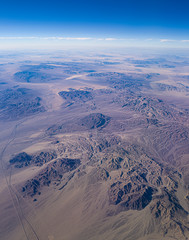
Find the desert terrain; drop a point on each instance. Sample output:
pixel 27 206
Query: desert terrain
pixel 94 145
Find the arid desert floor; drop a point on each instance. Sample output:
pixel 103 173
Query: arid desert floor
pixel 94 145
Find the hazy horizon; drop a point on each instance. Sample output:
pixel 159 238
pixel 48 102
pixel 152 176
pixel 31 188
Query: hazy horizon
pixel 46 24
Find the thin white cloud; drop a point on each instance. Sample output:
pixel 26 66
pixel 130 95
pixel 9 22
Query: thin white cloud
pixel 117 39
pixel 45 38
pixel 92 39
pixel 107 39
pixel 14 38
pixel 111 39
pixel 185 40
pixel 65 38
pixel 70 38
pixel 167 40
pixel 172 40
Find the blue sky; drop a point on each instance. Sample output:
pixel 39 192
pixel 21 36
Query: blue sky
pixel 159 21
